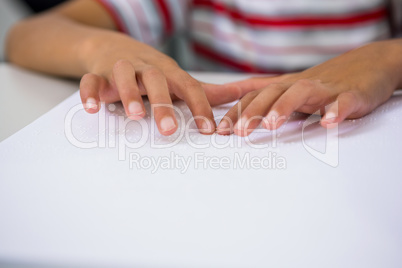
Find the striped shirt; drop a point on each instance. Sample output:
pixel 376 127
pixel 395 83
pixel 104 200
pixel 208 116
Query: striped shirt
pixel 269 36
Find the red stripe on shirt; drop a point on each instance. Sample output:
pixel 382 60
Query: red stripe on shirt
pixel 207 27
pixel 167 18
pixel 116 17
pixel 312 20
pixel 222 59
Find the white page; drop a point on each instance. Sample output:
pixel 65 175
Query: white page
pixel 60 204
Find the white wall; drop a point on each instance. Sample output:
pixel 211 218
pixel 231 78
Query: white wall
pixel 10 12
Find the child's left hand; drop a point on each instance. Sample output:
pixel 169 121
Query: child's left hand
pixel 359 81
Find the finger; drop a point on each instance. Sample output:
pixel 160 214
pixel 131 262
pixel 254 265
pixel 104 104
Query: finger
pixel 303 92
pixel 125 80
pixel 157 90
pixel 221 94
pixel 226 126
pixel 348 105
pixel 256 83
pixel 90 86
pixel 191 91
pixel 254 113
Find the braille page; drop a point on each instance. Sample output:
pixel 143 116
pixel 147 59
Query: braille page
pixel 81 189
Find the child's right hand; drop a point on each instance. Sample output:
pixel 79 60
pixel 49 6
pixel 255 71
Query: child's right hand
pixel 350 86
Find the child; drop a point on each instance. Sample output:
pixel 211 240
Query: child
pixel 83 38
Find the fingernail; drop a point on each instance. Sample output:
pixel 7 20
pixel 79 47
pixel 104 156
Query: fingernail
pixel 91 104
pixel 272 117
pixel 207 127
pixel 242 123
pixel 265 123
pixel 331 116
pixel 135 108
pixel 167 124
pixel 223 127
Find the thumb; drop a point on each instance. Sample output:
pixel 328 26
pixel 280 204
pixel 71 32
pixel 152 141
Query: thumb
pixel 256 83
pixel 220 94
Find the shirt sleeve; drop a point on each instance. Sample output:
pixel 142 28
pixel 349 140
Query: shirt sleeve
pixel 148 21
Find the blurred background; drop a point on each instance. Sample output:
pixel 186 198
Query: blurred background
pixel 13 10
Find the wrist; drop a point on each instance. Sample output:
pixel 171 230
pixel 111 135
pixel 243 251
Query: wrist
pixel 393 50
pixel 96 46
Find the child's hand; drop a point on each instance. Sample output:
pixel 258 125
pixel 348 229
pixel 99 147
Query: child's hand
pixel 79 39
pixel 359 81
pixel 124 69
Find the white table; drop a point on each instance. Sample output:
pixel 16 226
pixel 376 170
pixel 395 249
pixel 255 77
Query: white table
pixel 63 205
pixel 25 96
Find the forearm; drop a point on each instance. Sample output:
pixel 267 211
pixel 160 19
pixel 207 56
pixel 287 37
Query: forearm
pixel 391 51
pixel 53 44
pixel 398 43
